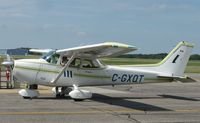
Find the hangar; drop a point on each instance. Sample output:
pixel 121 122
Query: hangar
pixel 17 51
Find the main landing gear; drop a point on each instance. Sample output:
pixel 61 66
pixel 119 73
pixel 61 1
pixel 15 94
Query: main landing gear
pixel 60 92
pixel 79 95
pixel 76 94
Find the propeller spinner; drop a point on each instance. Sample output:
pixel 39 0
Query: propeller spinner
pixel 8 61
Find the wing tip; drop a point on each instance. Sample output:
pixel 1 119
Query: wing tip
pixel 186 43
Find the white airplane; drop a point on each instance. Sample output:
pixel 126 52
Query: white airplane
pixel 80 66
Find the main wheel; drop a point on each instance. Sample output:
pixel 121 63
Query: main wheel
pixel 59 95
pixel 26 97
pixel 66 90
pixel 78 100
pixel 34 86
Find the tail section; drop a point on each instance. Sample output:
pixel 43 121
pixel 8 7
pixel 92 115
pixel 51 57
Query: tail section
pixel 174 64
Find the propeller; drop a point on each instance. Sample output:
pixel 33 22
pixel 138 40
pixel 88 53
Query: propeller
pixel 8 61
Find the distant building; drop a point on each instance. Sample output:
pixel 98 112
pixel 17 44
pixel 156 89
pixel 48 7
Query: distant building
pixel 3 51
pixel 18 51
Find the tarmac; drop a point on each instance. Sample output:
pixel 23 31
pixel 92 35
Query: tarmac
pixel 139 103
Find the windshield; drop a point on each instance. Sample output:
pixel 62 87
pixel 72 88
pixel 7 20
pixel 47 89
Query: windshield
pixel 51 57
pixel 46 55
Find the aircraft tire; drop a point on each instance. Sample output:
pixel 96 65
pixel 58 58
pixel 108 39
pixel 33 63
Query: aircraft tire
pixel 34 86
pixel 78 100
pixel 59 96
pixel 26 97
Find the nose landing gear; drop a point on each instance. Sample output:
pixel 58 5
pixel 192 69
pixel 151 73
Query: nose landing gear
pixel 61 92
pixel 30 92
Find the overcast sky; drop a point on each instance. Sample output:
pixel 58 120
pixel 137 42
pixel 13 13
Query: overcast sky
pixel 154 26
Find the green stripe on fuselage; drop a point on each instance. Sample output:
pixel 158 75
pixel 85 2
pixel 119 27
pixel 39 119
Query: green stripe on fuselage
pixel 56 72
pixel 92 76
pixel 36 69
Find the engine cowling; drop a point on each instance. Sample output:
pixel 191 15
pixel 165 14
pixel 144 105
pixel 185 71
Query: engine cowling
pixel 77 94
pixel 28 93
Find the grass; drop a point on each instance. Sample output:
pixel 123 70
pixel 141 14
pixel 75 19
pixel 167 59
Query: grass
pixel 193 66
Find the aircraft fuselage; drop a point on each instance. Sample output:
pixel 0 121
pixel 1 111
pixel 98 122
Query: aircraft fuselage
pixel 38 71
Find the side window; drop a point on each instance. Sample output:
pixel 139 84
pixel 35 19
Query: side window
pixel 76 62
pixel 63 61
pixel 87 63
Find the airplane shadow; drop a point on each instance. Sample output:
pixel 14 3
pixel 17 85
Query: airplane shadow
pixel 123 102
pixel 178 97
pixel 53 98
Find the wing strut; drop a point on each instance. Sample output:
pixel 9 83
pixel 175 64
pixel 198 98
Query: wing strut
pixel 64 68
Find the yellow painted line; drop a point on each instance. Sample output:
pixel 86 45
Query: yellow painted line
pixel 70 113
pixel 48 113
pixel 187 110
pixel 96 111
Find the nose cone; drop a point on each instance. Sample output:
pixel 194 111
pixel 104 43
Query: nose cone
pixel 18 75
pixel 16 64
pixel 7 63
pixel 25 70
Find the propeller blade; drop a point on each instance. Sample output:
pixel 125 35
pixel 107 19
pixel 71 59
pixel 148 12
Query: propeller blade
pixel 8 61
pixel 8 57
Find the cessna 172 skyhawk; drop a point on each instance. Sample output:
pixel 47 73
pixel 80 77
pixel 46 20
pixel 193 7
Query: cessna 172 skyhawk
pixel 80 66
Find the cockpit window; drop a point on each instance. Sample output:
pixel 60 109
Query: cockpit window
pixel 84 63
pixel 87 63
pixel 51 57
pixel 76 62
pixel 46 55
pixel 64 60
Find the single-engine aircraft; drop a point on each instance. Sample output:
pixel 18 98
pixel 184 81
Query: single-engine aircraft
pixel 68 69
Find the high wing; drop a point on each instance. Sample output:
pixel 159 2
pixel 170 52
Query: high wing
pixel 40 50
pixel 99 50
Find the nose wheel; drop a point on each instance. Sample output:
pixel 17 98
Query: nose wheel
pixel 59 94
pixel 29 92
